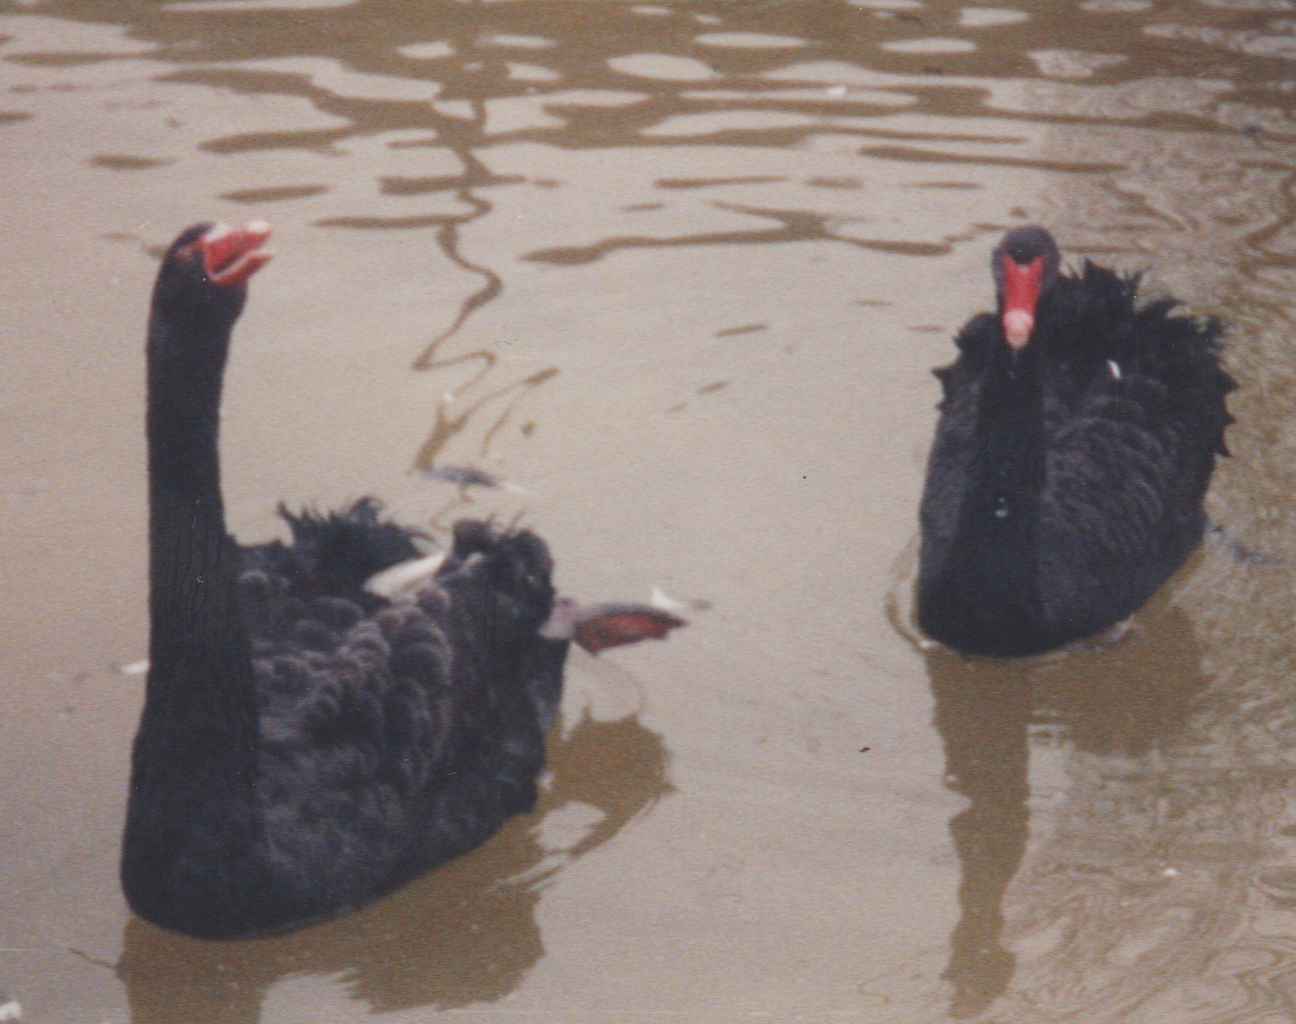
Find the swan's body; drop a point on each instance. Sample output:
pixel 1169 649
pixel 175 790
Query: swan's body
pixel 1077 437
pixel 307 745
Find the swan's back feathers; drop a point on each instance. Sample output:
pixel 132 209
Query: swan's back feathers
pixel 395 735
pixel 334 553
pixel 345 548
pixel 1122 506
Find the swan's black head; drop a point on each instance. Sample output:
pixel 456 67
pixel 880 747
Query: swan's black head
pixel 200 291
pixel 1025 264
pixel 202 282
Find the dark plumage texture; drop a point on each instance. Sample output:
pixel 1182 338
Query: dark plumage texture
pixel 1066 479
pixel 306 746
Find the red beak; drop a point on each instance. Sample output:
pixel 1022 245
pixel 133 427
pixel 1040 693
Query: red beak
pixel 232 255
pixel 1021 287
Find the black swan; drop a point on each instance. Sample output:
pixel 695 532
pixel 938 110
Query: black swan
pixel 1078 433
pixel 327 719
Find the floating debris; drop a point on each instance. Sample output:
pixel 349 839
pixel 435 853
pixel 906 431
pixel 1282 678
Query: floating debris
pixel 1240 552
pixel 730 332
pixel 471 476
pixel 662 601
pixel 463 476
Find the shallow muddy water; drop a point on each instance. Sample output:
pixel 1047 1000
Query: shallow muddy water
pixel 676 274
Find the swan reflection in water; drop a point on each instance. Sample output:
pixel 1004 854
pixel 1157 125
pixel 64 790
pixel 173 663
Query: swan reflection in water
pixel 1115 711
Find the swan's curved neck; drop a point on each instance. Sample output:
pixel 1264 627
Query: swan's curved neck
pixel 998 522
pixel 200 689
pixel 1010 429
pixel 193 810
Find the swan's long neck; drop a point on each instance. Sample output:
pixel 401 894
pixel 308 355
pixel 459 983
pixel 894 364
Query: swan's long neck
pixel 201 705
pixel 996 545
pixel 1010 426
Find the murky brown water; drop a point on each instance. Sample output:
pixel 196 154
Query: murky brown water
pixel 676 272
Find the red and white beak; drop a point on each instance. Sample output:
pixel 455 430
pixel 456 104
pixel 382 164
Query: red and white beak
pixel 232 255
pixel 1021 291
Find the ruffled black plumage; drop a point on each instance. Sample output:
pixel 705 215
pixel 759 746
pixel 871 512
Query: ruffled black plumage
pixel 336 550
pixel 1066 479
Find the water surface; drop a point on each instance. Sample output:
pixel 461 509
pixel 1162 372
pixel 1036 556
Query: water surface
pixel 675 273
